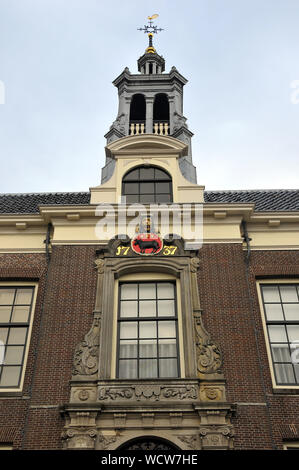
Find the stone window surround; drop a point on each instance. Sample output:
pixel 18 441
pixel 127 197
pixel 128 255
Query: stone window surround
pixel 113 269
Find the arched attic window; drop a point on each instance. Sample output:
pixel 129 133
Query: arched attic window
pixel 161 114
pixel 137 114
pixel 147 184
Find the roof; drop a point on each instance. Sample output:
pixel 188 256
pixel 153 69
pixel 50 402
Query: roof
pixel 265 200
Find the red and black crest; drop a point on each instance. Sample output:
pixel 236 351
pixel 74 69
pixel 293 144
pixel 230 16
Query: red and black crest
pixel 147 244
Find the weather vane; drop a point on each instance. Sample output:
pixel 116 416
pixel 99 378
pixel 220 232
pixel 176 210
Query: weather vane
pixel 151 29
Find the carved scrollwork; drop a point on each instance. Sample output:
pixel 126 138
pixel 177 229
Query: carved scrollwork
pixel 180 392
pixel 115 393
pixel 86 357
pixel 148 392
pixel 191 440
pixel 208 354
pixel 105 441
pixel 194 264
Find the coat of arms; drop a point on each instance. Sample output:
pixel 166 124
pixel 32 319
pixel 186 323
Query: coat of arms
pixel 147 241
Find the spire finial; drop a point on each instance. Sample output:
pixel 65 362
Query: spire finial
pixel 151 29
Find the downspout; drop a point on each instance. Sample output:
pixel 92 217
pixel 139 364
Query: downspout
pixel 247 240
pixel 47 242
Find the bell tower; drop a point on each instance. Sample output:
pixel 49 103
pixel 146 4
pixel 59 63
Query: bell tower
pixel 151 102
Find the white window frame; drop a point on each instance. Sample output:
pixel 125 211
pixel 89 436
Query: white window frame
pixel 6 390
pixel 274 281
pixel 139 277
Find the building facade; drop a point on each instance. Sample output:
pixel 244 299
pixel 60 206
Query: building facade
pixel 149 340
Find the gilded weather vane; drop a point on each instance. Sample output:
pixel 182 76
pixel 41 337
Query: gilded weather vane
pixel 151 29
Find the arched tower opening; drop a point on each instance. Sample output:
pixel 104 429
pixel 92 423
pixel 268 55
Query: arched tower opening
pixel 161 114
pixel 137 114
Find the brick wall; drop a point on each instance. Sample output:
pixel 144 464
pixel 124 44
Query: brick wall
pixel 231 313
pixel 63 315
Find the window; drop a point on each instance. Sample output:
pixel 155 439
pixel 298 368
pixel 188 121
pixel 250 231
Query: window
pixel 281 308
pixel 147 330
pixel 147 185
pixel 15 314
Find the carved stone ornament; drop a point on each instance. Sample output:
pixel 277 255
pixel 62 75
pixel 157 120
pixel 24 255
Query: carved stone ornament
pixel 119 123
pixel 220 437
pixel 86 355
pixel 208 354
pixel 148 392
pixel 212 393
pixel 190 440
pixel 79 438
pixel 105 441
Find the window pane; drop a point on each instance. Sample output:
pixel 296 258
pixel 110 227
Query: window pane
pixel 10 376
pixel 147 173
pixel 129 291
pixel 147 188
pixel 128 308
pixel 295 352
pixel 127 369
pixel 147 291
pixel 163 188
pixel 20 314
pixel 146 198
pixel 148 348
pixel 271 294
pixel 3 334
pixel 17 335
pixel 132 175
pixel 7 296
pixel 161 175
pixel 296 367
pixel 281 353
pixel 293 332
pixel 127 348
pixel 288 294
pixel 163 198
pixel 14 355
pixel 167 348
pixel 165 290
pixel 274 312
pixel 291 312
pixel 5 313
pixel 24 296
pixel 147 308
pixel 148 368
pixel 128 330
pixel 147 329
pixel 168 368
pixel 131 188
pixel 277 334
pixel 284 373
pixel 166 308
pixel 130 198
pixel 167 329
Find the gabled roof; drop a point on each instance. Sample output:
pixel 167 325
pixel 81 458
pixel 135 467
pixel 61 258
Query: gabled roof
pixel 265 200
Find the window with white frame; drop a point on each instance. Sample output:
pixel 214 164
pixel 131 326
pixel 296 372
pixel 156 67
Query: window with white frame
pixel 147 330
pixel 281 308
pixel 15 314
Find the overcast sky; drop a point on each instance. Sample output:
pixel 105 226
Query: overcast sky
pixel 59 57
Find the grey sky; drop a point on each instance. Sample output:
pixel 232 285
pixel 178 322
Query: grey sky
pixel 59 57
